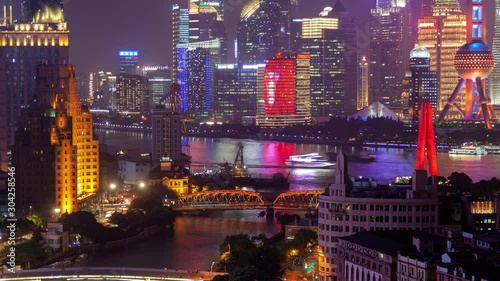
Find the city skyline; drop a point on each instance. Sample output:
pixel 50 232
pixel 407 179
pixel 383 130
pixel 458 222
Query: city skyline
pixel 90 39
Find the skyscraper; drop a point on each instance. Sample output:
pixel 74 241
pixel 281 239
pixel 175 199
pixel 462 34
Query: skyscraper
pixel 330 40
pixel 283 95
pixel 264 29
pixel 23 46
pixel 196 62
pixel 494 80
pixel 423 83
pixel 391 42
pixel 180 30
pixel 363 84
pixel 131 94
pixel 56 155
pixel 442 34
pixel 211 21
pixel 129 60
pixel 227 98
pixel 158 80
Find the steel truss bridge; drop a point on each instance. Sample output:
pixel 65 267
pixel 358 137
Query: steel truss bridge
pixel 242 200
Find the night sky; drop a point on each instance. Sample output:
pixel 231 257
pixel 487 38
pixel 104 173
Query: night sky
pixel 100 28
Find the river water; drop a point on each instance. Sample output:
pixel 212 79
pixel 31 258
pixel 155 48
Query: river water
pixel 194 244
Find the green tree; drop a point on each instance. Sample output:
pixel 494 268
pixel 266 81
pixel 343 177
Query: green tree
pixel 36 219
pixel 460 182
pixel 246 273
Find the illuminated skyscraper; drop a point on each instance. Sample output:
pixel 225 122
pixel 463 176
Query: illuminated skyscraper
pixel 264 29
pixel 129 61
pixel 391 42
pixel 55 155
pixel 180 29
pixel 363 84
pixel 495 75
pixel 227 98
pixel 131 94
pixel 195 74
pixel 158 81
pixel 23 46
pixel 442 35
pixel 283 96
pixel 330 40
pixel 423 83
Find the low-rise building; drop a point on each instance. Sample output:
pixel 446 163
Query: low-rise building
pixel 56 237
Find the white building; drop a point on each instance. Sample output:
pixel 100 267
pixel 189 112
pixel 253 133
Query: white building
pixel 345 210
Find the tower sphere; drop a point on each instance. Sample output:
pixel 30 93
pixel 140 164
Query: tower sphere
pixel 474 60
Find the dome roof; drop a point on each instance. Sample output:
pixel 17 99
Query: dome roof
pixel 420 52
pixel 249 9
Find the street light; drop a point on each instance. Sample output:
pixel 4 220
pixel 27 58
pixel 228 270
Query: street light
pixel 142 185
pixel 211 268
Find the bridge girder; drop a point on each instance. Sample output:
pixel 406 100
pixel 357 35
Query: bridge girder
pixel 221 198
pixel 297 199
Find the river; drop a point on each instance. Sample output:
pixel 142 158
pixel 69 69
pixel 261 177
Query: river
pixel 195 242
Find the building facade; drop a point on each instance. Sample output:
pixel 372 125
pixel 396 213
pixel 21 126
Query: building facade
pixel 22 47
pixel 345 210
pixel 227 99
pixel 423 83
pixel 263 30
pixel 390 43
pixel 330 40
pixel 363 84
pixel 442 34
pixel 283 96
pixel 131 94
pixel 167 134
pixel 159 79
pixel 56 155
pixel 129 62
pixel 494 80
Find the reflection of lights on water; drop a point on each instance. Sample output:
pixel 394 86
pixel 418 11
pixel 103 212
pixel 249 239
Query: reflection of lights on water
pixel 304 172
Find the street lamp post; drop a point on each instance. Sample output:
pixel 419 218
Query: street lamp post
pixel 211 268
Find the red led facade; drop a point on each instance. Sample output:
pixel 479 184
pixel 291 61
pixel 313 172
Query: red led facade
pixel 426 141
pixel 279 87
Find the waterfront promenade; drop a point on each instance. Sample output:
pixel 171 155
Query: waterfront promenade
pixel 109 274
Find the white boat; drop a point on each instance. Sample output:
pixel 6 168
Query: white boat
pixel 469 150
pixel 492 149
pixel 311 160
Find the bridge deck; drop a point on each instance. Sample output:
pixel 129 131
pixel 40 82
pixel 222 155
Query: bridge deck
pixel 109 274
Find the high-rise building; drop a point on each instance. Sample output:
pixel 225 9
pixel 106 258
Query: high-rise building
pixel 264 29
pixel 129 61
pixel 423 83
pixel 196 63
pixel 167 133
pixel 283 92
pixel 391 42
pixel 442 34
pixel 363 84
pixel 494 80
pixel 247 82
pixel 212 25
pixel 22 47
pixel 131 94
pixel 330 40
pixel 180 29
pixel 159 79
pixel 56 155
pixel 227 99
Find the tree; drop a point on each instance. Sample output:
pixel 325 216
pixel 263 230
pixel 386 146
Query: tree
pixel 247 273
pixel 36 219
pixel 460 182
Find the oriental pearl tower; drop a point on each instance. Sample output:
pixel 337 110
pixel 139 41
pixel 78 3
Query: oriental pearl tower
pixel 474 63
